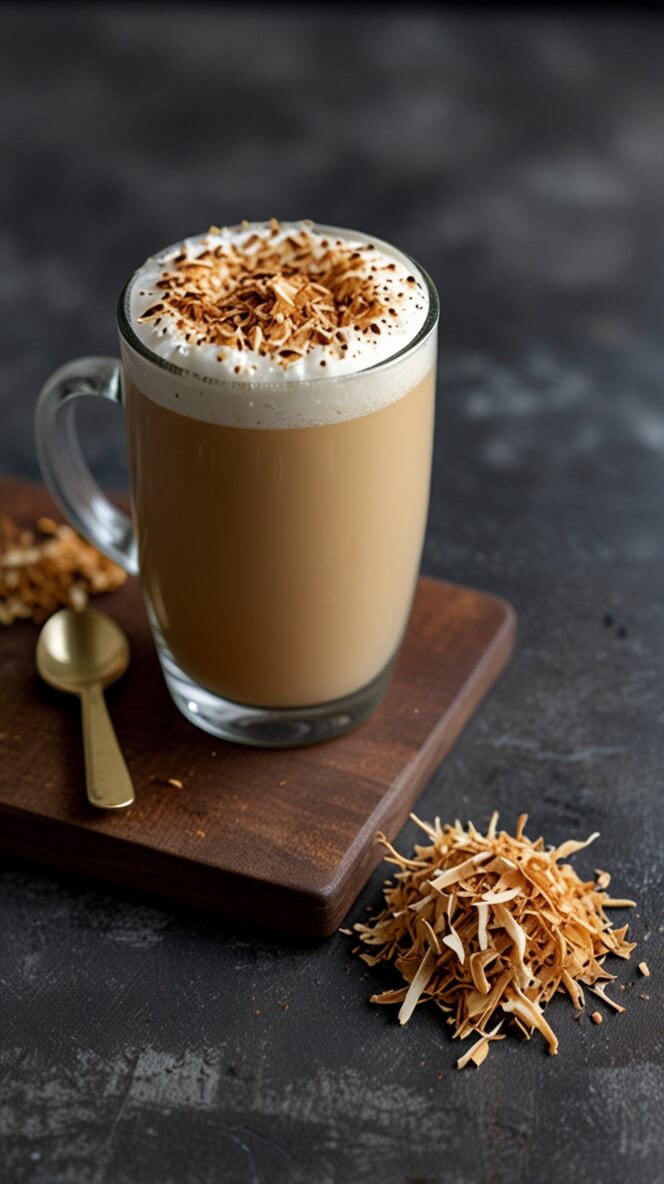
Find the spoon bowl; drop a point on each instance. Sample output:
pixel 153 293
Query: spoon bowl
pixel 79 649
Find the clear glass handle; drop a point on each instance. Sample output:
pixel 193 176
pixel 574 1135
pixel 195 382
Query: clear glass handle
pixel 62 463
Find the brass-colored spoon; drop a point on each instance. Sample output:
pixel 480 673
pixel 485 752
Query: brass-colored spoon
pixel 81 653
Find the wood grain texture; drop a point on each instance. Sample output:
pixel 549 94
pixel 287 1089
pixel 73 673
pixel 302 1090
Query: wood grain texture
pixel 282 838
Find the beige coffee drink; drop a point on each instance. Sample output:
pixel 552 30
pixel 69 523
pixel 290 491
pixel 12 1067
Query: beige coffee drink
pixel 280 456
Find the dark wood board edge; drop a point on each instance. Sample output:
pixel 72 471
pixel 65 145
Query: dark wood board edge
pixel 109 860
pixel 317 915
pixel 311 915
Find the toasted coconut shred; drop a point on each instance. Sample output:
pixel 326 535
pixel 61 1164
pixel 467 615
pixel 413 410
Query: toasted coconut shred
pixel 49 568
pixel 278 298
pixel 489 927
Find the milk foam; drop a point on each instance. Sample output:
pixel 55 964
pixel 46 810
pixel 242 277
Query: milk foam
pixel 244 388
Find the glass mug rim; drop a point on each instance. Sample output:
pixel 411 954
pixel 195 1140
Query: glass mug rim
pixel 129 335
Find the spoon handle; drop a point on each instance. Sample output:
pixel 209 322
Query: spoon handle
pixel 107 778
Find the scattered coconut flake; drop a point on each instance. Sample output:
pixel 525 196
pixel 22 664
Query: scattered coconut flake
pixel 479 1051
pixel 454 874
pixel 48 568
pixel 482 921
pixel 491 926
pixel 455 943
pixel 600 991
pixel 644 969
pixel 418 983
pixel 501 897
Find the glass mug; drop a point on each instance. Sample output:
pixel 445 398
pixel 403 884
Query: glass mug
pixel 278 563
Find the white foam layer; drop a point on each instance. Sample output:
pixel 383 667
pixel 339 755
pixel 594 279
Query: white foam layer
pixel 247 389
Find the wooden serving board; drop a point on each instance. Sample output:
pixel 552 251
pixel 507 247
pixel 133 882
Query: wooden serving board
pixel 281 838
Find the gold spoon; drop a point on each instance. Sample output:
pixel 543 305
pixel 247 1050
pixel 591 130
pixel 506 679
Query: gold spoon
pixel 81 653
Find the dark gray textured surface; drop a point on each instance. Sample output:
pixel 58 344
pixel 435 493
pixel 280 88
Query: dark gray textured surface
pixel 522 163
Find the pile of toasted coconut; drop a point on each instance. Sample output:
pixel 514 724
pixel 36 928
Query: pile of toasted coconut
pixel 489 927
pixel 278 296
pixel 49 568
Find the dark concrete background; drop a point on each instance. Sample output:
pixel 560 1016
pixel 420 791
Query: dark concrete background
pixel 521 161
